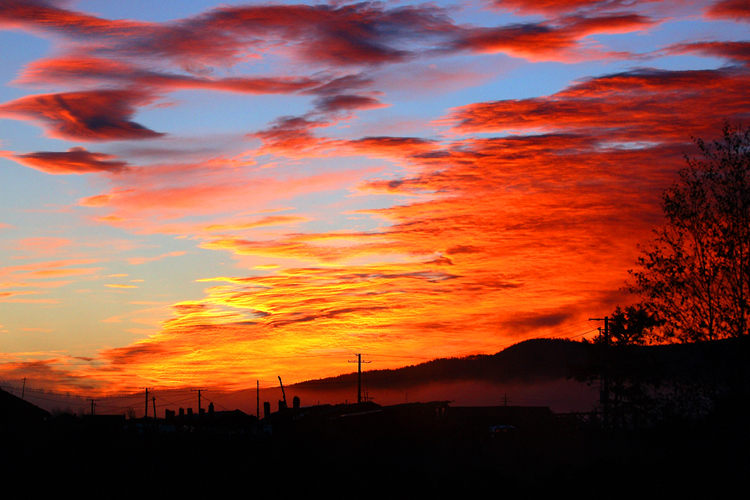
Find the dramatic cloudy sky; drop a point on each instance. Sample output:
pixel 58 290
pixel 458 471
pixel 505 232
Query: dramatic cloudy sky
pixel 205 194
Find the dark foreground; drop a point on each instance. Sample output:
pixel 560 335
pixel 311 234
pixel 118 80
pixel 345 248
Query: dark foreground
pixel 705 458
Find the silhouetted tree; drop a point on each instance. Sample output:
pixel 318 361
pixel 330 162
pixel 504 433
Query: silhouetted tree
pixel 632 379
pixel 633 325
pixel 623 368
pixel 695 275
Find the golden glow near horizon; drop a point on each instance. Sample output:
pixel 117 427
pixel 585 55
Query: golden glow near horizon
pixel 263 190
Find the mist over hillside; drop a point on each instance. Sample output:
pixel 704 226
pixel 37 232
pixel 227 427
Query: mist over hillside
pixel 539 372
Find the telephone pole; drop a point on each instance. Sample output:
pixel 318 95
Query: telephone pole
pixel 23 389
pixel 199 399
pixel 92 404
pixel 359 376
pixel 257 399
pixel 604 368
pixel 145 413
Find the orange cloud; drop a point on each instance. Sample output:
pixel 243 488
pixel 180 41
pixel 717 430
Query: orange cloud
pixel 492 239
pixel 56 273
pixel 5 295
pixel 519 236
pixel 57 373
pixel 271 220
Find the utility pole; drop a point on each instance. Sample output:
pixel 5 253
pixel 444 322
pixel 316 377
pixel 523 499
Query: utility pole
pixel 153 402
pixel 199 399
pixel 604 366
pixel 145 413
pixel 257 399
pixel 92 404
pixel 23 389
pixel 359 376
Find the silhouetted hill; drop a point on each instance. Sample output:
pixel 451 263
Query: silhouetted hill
pixel 540 360
pixel 528 361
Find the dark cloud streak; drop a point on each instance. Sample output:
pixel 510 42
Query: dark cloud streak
pixel 74 161
pixel 97 115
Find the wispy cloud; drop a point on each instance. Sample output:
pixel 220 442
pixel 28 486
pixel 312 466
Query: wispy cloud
pixel 142 260
pixel 76 160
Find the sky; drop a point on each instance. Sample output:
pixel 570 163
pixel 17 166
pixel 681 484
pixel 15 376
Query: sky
pixel 204 194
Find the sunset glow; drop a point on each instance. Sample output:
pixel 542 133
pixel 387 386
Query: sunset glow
pixel 210 194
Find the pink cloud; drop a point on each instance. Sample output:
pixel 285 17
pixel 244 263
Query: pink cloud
pixel 43 244
pixel 153 199
pixel 142 260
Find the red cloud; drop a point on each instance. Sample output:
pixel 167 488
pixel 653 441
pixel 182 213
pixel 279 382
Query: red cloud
pixel 335 103
pixel 291 135
pixel 41 14
pixel 96 69
pixel 524 40
pixel 735 51
pixel 359 34
pixel 97 115
pixel 347 35
pixel 560 6
pixel 738 10
pixel 548 41
pixel 74 161
pixel 390 147
pixel 646 105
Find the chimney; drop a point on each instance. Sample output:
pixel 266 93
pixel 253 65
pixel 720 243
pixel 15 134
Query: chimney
pixel 211 410
pixel 266 409
pixel 295 403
